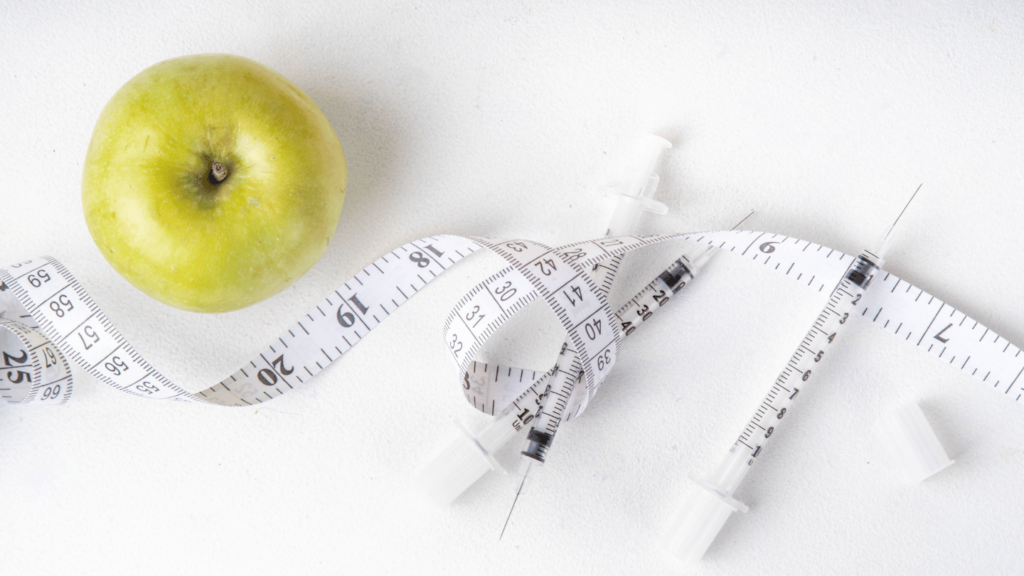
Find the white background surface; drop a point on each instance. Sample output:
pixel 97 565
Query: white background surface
pixel 502 120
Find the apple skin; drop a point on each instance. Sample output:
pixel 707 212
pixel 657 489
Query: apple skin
pixel 159 217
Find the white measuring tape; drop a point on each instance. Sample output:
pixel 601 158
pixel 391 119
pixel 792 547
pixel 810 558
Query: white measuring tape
pixel 48 296
pixel 889 302
pixel 49 317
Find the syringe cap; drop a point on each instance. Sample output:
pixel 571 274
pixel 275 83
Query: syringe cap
pixel 454 470
pixel 704 513
pixel 912 444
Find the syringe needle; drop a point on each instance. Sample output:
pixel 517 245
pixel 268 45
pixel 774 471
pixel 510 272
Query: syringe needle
pixel 509 517
pixel 699 259
pixel 905 208
pixel 884 247
pixel 742 221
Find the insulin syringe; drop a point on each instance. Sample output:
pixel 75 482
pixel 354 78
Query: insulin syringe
pixel 469 457
pixel 711 502
pixel 639 309
pixel 558 391
pixel 545 402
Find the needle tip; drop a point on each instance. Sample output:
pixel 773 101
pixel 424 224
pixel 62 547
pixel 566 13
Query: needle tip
pixel 509 517
pixel 884 247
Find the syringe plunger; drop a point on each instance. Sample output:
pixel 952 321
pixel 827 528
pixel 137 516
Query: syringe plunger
pixel 639 184
pixel 463 462
pixel 704 513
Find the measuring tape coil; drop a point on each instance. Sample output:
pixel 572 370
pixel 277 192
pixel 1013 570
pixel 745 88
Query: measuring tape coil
pixel 34 370
pixel 51 318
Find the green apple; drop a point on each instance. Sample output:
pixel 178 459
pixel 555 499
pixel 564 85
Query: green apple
pixel 212 182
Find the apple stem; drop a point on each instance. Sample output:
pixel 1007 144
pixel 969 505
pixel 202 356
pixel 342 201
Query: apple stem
pixel 217 173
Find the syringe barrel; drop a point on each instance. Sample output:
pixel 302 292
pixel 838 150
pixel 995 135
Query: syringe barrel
pixel 731 471
pixel 800 369
pixel 498 431
pixel 627 213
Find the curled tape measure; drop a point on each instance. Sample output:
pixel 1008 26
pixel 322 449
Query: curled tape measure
pixel 889 302
pixel 49 319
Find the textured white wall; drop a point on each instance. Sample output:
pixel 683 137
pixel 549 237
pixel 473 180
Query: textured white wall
pixel 501 119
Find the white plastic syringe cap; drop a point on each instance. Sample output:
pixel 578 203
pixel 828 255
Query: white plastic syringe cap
pixel 454 470
pixel 912 443
pixel 704 513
